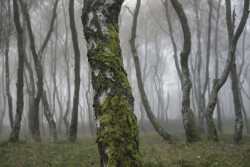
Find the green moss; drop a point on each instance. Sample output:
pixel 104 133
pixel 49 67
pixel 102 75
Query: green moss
pixel 193 134
pixel 213 131
pixel 118 132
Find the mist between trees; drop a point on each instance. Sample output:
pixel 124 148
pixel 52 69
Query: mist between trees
pixel 180 67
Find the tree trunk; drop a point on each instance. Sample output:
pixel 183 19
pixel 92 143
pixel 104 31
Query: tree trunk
pixel 67 61
pixel 217 84
pixel 219 124
pixel 37 56
pixel 49 117
pixel 191 131
pixel 117 131
pixel 172 40
pixel 157 126
pixel 237 105
pixel 7 78
pixel 88 96
pixel 74 116
pixel 14 136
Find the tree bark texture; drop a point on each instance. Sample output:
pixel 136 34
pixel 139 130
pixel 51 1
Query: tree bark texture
pixel 117 131
pixel 14 136
pixel 74 116
pixel 157 126
pixel 191 130
pixel 217 84
pixel 237 105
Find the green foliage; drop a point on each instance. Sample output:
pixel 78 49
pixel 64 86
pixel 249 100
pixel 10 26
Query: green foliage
pixel 155 152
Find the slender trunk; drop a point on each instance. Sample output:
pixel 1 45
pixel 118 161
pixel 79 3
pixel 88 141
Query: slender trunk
pixel 191 130
pixel 172 40
pixel 74 117
pixel 67 60
pixel 7 78
pixel 157 126
pixel 49 117
pixel 219 124
pixel 237 105
pixel 14 136
pixel 88 96
pixel 217 84
pixel 37 56
pixel 117 131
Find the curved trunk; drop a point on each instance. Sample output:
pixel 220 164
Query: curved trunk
pixel 217 84
pixel 157 126
pixel 219 124
pixel 191 131
pixel 74 117
pixel 117 131
pixel 14 136
pixel 37 56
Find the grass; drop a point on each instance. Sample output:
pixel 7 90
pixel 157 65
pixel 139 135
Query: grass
pixel 155 152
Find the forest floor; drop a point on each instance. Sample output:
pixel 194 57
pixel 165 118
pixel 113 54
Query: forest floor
pixel 154 150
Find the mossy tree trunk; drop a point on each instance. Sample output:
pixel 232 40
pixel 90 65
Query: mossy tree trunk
pixel 233 39
pixel 74 117
pixel 14 136
pixel 191 130
pixel 117 131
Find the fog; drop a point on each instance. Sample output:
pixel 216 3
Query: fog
pixel 161 82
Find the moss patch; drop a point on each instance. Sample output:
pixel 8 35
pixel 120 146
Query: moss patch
pixel 118 131
pixel 193 134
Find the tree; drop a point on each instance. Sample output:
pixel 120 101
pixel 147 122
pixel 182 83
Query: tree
pixel 157 126
pixel 74 117
pixel 37 56
pixel 217 84
pixel 191 131
pixel 219 124
pixel 14 136
pixel 117 131
pixel 9 97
